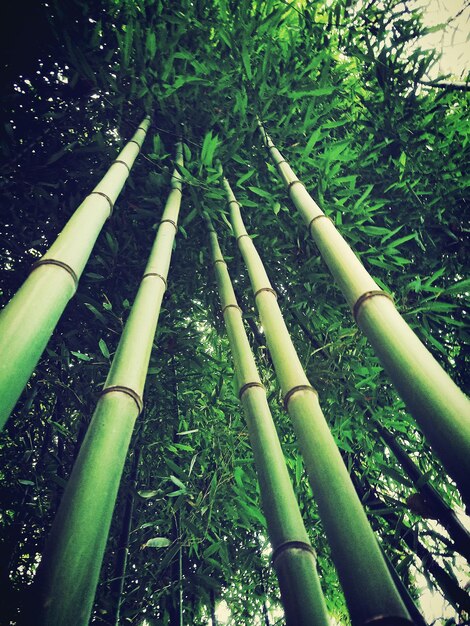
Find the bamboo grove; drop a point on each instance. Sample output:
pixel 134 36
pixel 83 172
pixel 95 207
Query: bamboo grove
pixel 217 428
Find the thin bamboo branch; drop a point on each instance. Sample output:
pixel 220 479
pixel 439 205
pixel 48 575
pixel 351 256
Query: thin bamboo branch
pixel 27 322
pixel 368 587
pixel 69 571
pixel 451 590
pixel 458 533
pixel 438 405
pixel 442 84
pixel 293 557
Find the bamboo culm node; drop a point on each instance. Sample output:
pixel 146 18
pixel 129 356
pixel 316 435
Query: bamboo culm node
pixel 61 264
pixel 366 581
pixel 28 320
pixel 293 556
pixel 68 574
pixel 439 407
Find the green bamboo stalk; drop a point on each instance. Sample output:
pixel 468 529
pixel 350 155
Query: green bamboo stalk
pixel 432 499
pixel 69 571
pixel 370 593
pixel 438 405
pixel 448 584
pixel 408 601
pixel 293 556
pixel 28 320
pixel 122 550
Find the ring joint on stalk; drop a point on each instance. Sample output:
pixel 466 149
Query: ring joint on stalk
pixel 280 162
pixel 240 236
pixel 122 163
pixel 292 183
pixel 291 545
pixel 142 128
pixel 317 217
pixel 292 391
pixel 127 390
pixel 219 260
pixel 365 296
pixel 247 386
pixel 157 275
pixel 266 289
pixel 177 189
pixel 110 202
pixel 136 142
pixel 232 306
pixel 61 264
pixel 170 222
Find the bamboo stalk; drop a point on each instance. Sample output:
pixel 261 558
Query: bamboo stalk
pixel 446 516
pixel 122 550
pixel 408 601
pixel 293 556
pixel 438 405
pixel 449 586
pixel 370 593
pixel 28 320
pixel 69 571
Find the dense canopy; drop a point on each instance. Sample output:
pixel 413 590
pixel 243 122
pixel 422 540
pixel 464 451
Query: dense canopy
pixel 343 89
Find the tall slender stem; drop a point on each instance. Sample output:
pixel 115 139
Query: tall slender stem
pixel 408 601
pixel 457 596
pixel 293 557
pixel 69 571
pixel 368 587
pixel 438 405
pixel 27 322
pixel 443 512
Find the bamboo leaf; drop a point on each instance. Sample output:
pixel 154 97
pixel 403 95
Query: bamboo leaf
pixel 104 348
pixel 157 542
pixel 315 137
pixel 60 153
pixel 151 44
pixel 245 177
pixel 462 286
pixel 365 195
pixel 321 91
pixel 260 192
pixel 148 493
pixel 400 240
pixel 81 356
pixel 96 313
pixel 178 482
pixel 246 63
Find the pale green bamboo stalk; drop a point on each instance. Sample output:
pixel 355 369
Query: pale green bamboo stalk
pixel 370 593
pixel 293 556
pixel 27 322
pixel 69 570
pixel 438 405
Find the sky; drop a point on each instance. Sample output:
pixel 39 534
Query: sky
pixel 453 41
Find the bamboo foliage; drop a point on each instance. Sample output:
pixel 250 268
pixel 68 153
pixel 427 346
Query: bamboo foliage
pixel 438 405
pixel 293 557
pixel 28 320
pixel 69 572
pixel 370 593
